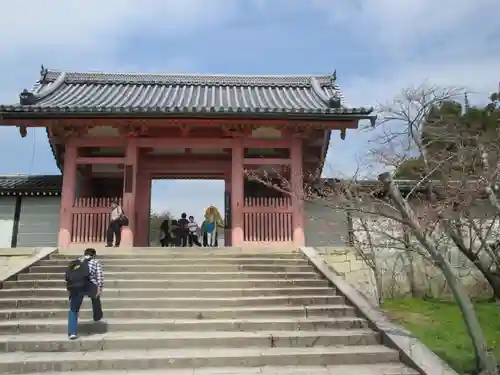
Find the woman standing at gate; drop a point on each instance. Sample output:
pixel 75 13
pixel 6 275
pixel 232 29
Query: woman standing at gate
pixel 115 225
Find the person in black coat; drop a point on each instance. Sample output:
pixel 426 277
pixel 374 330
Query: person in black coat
pixel 166 236
pixel 176 233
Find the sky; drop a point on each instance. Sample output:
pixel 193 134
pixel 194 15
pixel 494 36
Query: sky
pixel 377 48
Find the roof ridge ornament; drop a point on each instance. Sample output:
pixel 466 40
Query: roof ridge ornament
pixel 332 102
pixel 43 74
pixel 336 100
pixel 333 77
pixel 30 98
pixel 26 97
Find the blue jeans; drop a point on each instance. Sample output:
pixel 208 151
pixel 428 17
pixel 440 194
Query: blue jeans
pixel 75 302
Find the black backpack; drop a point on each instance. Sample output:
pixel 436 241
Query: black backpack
pixel 184 225
pixel 77 275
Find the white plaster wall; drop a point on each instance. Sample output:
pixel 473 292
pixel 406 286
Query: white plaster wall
pixel 402 272
pixel 7 209
pixel 39 221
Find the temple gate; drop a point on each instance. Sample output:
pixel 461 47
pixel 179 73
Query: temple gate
pixel 112 133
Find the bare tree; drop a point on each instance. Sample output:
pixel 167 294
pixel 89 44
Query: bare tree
pixel 452 148
pixel 385 201
pixel 485 361
pixel 428 136
pixel 451 155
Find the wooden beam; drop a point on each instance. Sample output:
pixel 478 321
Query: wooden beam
pixel 22 123
pixel 266 161
pixel 164 142
pixel 153 159
pixel 187 167
pixel 185 176
pixel 111 160
pixel 185 142
pixel 82 142
pixel 193 122
pixel 267 143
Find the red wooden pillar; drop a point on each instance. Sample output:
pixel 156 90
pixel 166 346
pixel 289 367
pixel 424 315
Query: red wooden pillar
pixel 142 203
pixel 237 194
pixel 67 194
pixel 130 191
pixel 297 182
pixel 227 231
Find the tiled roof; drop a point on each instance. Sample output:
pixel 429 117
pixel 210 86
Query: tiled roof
pixel 30 185
pixel 122 93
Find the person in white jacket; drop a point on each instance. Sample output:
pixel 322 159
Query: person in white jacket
pixel 194 229
pixel 115 225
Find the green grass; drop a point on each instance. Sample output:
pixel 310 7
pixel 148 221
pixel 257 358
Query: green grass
pixel 439 325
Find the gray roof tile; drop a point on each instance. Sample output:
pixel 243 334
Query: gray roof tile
pixel 175 93
pixel 28 185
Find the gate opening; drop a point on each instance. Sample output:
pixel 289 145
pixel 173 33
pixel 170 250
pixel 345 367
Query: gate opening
pixel 172 197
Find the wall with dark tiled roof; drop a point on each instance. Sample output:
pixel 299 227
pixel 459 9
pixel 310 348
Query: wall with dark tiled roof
pixel 31 185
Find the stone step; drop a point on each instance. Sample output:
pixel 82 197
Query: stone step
pixel 185 313
pixel 116 267
pixel 175 340
pixel 187 249
pixel 175 293
pixel 187 302
pixel 183 275
pixel 372 369
pixel 186 255
pixel 175 284
pixel 51 325
pixel 185 261
pixel 140 359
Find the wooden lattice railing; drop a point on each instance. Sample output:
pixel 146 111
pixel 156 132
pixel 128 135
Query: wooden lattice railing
pixel 267 219
pixel 91 217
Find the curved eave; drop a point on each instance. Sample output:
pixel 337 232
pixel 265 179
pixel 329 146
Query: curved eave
pixel 320 114
pixel 29 193
pixel 324 150
pixel 56 151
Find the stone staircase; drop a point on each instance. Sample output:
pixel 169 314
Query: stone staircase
pixel 190 311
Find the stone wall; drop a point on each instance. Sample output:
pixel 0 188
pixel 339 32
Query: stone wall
pixel 400 273
pixel 353 269
pixel 398 276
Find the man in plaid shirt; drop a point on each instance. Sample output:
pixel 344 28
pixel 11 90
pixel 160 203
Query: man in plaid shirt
pixel 93 290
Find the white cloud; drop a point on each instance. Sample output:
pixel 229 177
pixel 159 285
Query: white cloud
pixel 76 35
pixel 448 43
pixel 72 24
pixel 71 34
pixel 479 77
pixel 399 26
